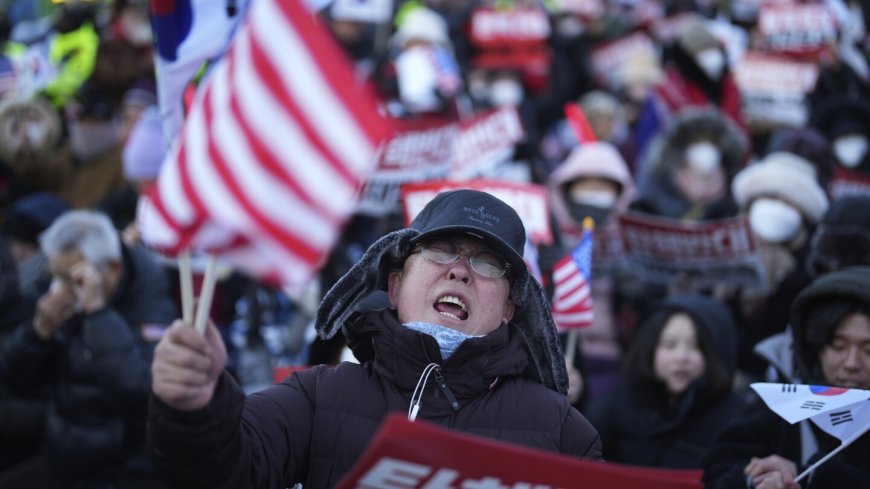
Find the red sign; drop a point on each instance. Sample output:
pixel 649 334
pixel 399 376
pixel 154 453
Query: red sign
pixel 441 150
pixel 774 88
pixel 797 28
pixel 849 182
pixel 529 200
pixel 608 59
pixel 406 455
pixel 712 252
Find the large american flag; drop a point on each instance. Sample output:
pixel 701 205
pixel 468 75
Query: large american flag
pixel 273 152
pixel 572 295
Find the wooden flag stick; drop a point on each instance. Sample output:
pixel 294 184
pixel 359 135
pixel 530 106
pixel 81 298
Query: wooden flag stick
pixel 571 346
pixel 185 276
pixel 206 294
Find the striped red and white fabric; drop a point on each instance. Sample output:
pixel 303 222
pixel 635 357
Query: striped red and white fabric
pixel 572 294
pixel 272 154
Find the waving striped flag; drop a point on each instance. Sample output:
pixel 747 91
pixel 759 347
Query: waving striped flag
pixel 572 295
pixel 273 152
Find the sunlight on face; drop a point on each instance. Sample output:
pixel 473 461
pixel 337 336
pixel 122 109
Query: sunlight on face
pixel 846 360
pixel 451 295
pixel 678 359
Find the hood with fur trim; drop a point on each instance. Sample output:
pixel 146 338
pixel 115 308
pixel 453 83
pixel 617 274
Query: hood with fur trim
pixel 692 124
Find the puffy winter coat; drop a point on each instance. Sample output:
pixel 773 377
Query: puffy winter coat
pixel 99 368
pixel 313 426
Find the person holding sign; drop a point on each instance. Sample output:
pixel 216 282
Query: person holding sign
pixel 831 332
pixel 466 341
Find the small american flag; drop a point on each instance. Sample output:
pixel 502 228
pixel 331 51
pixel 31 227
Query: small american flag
pixel 273 152
pixel 572 296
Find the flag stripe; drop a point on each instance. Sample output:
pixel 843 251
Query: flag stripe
pixel 572 304
pixel 321 83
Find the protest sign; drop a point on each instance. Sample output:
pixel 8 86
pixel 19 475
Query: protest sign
pixel 849 182
pixel 406 455
pixel 609 59
pixel 774 89
pixel 799 28
pixel 710 252
pixel 437 151
pixel 529 200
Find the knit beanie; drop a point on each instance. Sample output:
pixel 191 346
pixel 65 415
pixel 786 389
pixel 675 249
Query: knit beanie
pixel 29 216
pixel 146 148
pixel 784 175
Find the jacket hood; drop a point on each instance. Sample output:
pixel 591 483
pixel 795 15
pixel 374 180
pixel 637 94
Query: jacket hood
pixel 597 159
pixel 532 318
pixel 714 318
pixel 690 125
pixel 853 282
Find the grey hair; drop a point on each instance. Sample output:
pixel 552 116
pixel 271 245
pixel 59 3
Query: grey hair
pixel 90 232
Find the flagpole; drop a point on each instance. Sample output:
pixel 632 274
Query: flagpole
pixel 185 276
pixel 206 294
pixel 571 346
pixel 833 452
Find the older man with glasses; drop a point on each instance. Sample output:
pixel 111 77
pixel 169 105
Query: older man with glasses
pixel 467 342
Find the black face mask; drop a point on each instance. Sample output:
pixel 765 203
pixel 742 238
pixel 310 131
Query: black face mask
pixel 580 211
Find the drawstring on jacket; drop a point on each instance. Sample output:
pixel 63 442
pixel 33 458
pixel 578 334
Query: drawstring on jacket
pixel 417 396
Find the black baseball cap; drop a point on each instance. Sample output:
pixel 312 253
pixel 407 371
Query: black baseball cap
pixel 477 214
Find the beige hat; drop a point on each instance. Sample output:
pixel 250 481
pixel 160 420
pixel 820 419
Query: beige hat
pixel 784 175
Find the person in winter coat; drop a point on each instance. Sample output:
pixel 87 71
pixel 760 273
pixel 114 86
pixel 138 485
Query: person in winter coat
pixel 87 343
pixel 594 181
pixel 462 308
pixel 783 202
pixel 831 346
pixel 688 168
pixel 676 386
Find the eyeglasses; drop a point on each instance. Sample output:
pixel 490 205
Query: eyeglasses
pixel 484 262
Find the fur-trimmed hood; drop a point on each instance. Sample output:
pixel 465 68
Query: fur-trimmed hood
pixel 666 151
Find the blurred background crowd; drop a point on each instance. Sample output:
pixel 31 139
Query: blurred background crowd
pixel 699 110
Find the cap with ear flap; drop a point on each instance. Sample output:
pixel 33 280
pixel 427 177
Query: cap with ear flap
pixel 461 211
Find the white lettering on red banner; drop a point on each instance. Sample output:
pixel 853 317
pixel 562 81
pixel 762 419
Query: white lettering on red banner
pixel 490 26
pixel 797 27
pixel 773 88
pixel 607 59
pixel 393 473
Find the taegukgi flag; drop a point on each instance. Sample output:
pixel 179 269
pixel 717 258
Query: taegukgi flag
pixel 796 402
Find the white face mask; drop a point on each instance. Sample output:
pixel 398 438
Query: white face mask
pixel 596 198
pixel 850 149
pixel 712 62
pixel 505 92
pixel 704 157
pixel 774 221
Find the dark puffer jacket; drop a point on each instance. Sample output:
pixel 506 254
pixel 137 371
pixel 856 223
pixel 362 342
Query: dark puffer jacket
pixel 313 426
pixel 756 431
pixel 99 368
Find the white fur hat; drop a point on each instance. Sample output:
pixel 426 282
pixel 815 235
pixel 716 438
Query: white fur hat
pixel 784 175
pixel 423 24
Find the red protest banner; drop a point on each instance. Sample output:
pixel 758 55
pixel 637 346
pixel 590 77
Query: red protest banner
pixel 849 182
pixel 406 455
pixel 715 251
pixel 438 150
pixel 529 200
pixel 802 29
pixel 774 88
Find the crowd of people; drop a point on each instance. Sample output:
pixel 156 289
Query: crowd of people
pixel 695 113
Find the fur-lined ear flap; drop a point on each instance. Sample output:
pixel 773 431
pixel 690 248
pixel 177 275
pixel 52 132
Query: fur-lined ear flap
pixel 367 275
pixel 534 320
